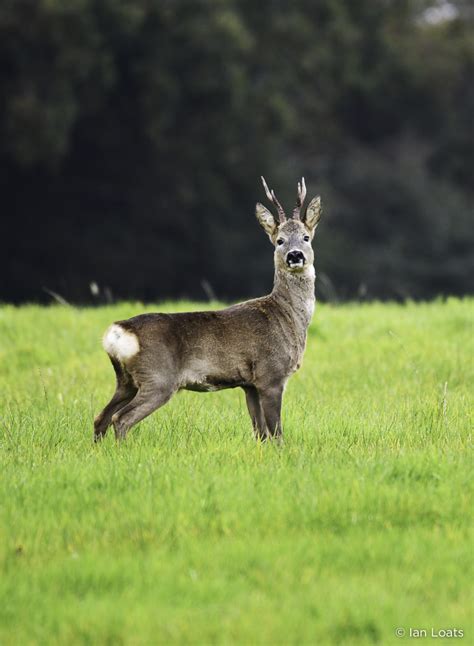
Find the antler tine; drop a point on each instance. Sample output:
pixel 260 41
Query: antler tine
pixel 300 199
pixel 303 190
pixel 272 197
pixel 267 190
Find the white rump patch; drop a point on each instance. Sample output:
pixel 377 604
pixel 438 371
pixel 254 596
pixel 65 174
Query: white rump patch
pixel 119 343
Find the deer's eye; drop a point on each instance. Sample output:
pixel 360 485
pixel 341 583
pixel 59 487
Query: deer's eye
pixel 306 238
pixel 280 241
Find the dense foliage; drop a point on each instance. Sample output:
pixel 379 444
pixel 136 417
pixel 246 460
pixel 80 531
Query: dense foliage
pixel 133 134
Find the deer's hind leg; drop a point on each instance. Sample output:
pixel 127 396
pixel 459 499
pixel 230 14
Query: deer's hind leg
pixel 124 393
pixel 150 396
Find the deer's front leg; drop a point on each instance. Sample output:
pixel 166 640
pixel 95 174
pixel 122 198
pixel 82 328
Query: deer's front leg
pixel 271 400
pixel 255 412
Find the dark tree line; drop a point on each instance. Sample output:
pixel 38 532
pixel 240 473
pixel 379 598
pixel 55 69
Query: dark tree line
pixel 133 134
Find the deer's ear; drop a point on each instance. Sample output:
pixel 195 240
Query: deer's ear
pixel 313 213
pixel 266 219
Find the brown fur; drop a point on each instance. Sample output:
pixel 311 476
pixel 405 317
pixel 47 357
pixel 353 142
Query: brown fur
pixel 255 345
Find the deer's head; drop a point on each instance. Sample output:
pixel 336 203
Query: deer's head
pixel 292 236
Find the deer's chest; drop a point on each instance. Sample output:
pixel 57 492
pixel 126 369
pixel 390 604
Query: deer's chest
pixel 295 361
pixel 295 343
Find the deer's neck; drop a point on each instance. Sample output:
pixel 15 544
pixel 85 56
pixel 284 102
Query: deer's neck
pixel 294 295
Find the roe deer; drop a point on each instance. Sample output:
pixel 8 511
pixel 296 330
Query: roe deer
pixel 255 345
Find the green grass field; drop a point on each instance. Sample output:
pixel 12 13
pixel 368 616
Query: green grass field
pixel 191 532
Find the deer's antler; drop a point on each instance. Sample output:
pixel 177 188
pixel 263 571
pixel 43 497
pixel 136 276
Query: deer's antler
pixel 300 199
pixel 272 197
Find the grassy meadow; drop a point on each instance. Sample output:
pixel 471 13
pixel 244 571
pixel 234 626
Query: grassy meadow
pixel 192 533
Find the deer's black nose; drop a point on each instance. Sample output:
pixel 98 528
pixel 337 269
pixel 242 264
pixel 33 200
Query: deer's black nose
pixel 295 258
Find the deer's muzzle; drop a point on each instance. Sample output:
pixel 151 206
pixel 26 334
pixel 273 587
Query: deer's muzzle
pixel 295 259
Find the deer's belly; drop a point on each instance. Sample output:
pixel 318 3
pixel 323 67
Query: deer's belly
pixel 211 386
pixel 205 378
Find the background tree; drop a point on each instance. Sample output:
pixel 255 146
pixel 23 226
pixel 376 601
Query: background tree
pixel 133 134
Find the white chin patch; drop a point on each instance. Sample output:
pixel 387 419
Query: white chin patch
pixel 120 343
pixel 296 265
